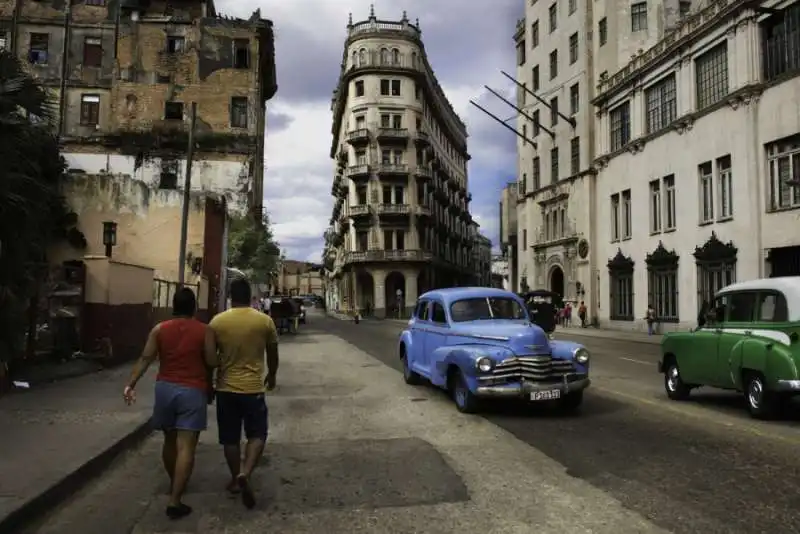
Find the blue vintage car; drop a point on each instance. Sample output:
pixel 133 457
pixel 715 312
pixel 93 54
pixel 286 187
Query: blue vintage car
pixel 479 342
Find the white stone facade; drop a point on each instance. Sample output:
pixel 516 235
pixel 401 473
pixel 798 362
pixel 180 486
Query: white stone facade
pixel 713 135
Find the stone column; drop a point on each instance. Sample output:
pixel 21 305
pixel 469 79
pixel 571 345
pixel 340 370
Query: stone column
pixel 411 291
pixel 379 298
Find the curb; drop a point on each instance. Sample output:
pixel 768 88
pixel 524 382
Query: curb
pixel 43 504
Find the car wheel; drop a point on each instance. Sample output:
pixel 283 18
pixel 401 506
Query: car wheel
pixel 411 378
pixel 465 400
pixel 571 402
pixel 761 403
pixel 673 383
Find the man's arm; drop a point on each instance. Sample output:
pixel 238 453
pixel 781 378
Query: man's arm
pixel 149 354
pixel 210 349
pixel 272 354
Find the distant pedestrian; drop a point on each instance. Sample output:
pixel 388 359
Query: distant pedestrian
pixel 568 314
pixel 650 319
pixel 582 314
pixel 244 337
pixel 186 352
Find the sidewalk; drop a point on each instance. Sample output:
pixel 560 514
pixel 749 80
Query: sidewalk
pixel 57 436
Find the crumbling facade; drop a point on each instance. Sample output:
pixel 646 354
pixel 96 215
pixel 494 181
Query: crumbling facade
pixel 124 74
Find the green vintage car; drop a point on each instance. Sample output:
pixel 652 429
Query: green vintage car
pixel 749 343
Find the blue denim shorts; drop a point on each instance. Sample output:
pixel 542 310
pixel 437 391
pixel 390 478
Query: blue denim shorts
pixel 179 407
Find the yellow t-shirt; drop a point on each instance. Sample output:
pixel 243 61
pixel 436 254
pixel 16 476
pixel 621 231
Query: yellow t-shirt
pixel 242 338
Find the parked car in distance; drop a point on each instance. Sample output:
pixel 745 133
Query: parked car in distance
pixel 479 343
pixel 749 343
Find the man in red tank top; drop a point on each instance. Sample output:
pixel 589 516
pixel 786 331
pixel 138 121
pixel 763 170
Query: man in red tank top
pixel 186 351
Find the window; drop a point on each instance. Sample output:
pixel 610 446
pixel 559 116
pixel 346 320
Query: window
pixel 362 241
pixel 684 8
pixel 711 73
pixel 639 16
pixel 772 308
pixel 741 307
pixel 627 215
pixel 535 34
pixel 39 48
pixel 523 184
pixel 602 30
pixel 359 88
pixel 574 99
pixel 395 56
pixel 175 44
pixel 661 104
pixel 553 17
pixel 525 134
pixel 655 206
pixel 421 311
pixel 662 283
pixel 521 96
pixel 554 111
pixel 477 309
pixel 361 195
pixel 724 188
pixel 554 164
pixel 3 40
pixel 438 315
pixel 173 111
pixel 386 87
pixel 361 122
pixel 620 273
pixel 620 126
pixel 535 78
pixel 395 87
pixel 239 112
pixel 521 53
pixel 669 202
pixel 780 42
pixel 524 239
pixel 388 239
pixel 90 110
pixel 168 179
pixel 706 192
pixel 92 52
pixel 573 48
pixel 361 157
pixel 553 64
pixel 536 123
pixel 575 156
pixel 537 173
pixel 615 212
pixel 783 158
pixel 572 6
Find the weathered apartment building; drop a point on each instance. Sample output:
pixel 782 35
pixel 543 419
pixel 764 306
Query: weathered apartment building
pixel 124 74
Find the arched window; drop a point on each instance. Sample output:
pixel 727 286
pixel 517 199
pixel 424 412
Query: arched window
pixel 384 56
pixel 362 57
pixel 355 59
pixel 414 59
pixel 395 56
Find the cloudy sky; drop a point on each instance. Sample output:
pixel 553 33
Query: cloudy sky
pixel 468 43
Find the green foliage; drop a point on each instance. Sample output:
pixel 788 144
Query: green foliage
pixel 252 248
pixel 33 213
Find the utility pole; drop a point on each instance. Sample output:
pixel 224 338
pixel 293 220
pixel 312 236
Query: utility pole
pixel 187 194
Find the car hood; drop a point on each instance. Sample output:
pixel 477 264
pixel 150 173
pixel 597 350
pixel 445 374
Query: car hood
pixel 521 337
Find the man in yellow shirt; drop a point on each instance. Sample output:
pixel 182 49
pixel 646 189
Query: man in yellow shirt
pixel 243 336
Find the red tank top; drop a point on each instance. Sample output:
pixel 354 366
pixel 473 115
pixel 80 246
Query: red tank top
pixel 180 352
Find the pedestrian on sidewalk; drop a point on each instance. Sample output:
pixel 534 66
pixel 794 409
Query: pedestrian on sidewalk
pixel 186 351
pixel 650 318
pixel 582 314
pixel 244 336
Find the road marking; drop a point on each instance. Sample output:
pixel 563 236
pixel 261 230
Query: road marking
pixel 636 361
pixel 705 417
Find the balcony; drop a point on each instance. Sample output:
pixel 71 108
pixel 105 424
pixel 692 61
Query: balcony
pixel 393 136
pixel 389 210
pixel 392 169
pixel 424 172
pixel 423 139
pixel 358 172
pixel 422 211
pixel 359 137
pixel 387 255
pixel 358 211
pixel 558 235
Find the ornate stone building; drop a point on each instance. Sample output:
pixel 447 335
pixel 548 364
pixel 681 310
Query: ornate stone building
pixel 400 223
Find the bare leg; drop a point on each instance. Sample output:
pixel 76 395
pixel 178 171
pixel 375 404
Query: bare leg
pixel 186 446
pixel 233 457
pixel 252 454
pixel 169 454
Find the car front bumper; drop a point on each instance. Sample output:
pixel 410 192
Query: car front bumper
pixel 787 386
pixel 524 389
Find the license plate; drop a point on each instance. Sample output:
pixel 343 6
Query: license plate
pixel 552 394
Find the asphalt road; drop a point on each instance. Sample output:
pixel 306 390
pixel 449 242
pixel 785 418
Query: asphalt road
pixel 698 466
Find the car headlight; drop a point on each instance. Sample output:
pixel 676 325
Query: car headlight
pixel 484 364
pixel 581 356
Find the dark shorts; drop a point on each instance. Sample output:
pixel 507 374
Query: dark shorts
pixel 179 407
pixel 237 410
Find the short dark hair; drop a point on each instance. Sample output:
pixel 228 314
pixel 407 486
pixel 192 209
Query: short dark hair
pixel 184 303
pixel 241 292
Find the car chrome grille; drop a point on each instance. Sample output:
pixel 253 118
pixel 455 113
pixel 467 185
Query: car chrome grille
pixel 532 368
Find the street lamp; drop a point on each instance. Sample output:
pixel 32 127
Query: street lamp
pixel 109 236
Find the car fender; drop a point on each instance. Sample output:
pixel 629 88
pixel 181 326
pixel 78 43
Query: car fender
pixel 767 356
pixel 562 349
pixel 404 339
pixel 464 357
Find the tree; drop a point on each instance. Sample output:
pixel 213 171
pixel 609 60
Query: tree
pixel 33 212
pixel 252 248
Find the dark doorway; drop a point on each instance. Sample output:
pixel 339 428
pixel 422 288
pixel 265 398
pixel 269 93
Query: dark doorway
pixel 557 281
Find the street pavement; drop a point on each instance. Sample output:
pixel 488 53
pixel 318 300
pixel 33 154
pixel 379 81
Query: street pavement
pixel 354 450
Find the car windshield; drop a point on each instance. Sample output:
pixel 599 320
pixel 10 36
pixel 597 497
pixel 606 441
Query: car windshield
pixel 478 309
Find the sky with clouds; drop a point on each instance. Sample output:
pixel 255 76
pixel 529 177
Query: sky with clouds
pixel 468 44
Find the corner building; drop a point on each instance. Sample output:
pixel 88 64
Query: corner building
pixel 400 224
